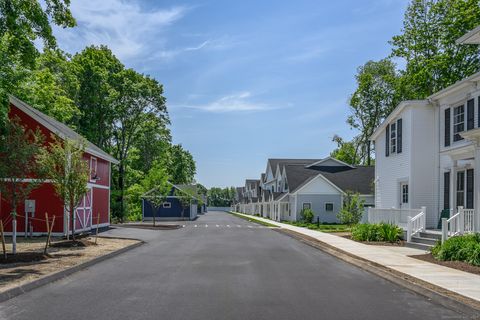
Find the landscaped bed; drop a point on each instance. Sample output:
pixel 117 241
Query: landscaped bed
pixel 459 265
pixel 324 227
pixel 30 263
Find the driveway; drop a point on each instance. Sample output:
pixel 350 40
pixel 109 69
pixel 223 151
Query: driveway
pixel 221 267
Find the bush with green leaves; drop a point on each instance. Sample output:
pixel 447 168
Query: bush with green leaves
pixel 352 209
pixel 461 248
pixel 307 215
pixel 376 232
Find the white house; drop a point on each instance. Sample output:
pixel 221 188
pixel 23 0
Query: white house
pixel 428 155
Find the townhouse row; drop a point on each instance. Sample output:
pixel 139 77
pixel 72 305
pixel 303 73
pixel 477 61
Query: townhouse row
pixel 290 185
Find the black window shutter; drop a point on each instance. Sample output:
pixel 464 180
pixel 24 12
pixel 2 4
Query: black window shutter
pixel 470 114
pixel 447 127
pixel 399 136
pixel 446 190
pixel 387 140
pixel 469 204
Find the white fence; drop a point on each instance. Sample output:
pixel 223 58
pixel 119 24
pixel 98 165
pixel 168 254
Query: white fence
pixel 461 222
pixel 411 220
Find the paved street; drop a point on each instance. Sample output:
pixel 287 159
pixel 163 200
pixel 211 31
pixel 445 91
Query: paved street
pixel 237 270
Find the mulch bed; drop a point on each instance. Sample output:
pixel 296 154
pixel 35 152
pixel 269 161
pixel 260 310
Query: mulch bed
pixel 149 226
pixel 459 265
pixel 78 243
pixel 400 243
pixel 21 257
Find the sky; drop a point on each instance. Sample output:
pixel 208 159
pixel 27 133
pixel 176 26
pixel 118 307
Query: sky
pixel 245 80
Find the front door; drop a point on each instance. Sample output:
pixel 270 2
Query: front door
pixel 404 196
pixel 83 216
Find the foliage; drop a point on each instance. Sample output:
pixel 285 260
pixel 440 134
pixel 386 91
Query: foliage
pixel 307 215
pixel 346 151
pixel 427 45
pixel 221 197
pixel 21 23
pixel 181 166
pixel 376 232
pixel 460 248
pixel 19 148
pixel 68 171
pixel 352 210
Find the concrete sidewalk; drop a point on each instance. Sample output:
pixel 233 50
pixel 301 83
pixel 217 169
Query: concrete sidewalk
pixel 396 258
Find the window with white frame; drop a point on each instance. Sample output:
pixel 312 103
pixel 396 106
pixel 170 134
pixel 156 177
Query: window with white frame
pixel 306 205
pixel 458 122
pixel 167 205
pixel 328 206
pixel 404 193
pixel 393 138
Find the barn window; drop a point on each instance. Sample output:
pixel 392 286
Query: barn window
pixel 167 205
pixel 93 169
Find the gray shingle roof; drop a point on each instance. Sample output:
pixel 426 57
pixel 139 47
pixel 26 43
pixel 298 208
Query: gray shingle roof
pixel 358 179
pixel 60 129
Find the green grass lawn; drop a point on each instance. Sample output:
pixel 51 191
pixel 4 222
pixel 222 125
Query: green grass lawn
pixel 263 223
pixel 321 227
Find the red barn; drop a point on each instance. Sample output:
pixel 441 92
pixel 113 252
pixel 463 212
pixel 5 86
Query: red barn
pixel 96 201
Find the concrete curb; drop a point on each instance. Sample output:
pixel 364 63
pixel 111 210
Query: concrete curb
pixel 13 292
pixel 464 305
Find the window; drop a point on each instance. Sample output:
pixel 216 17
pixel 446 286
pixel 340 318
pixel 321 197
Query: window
pixel 404 193
pixel 328 206
pixel 286 185
pixel 306 205
pixel 167 205
pixel 93 169
pixel 393 138
pixel 458 122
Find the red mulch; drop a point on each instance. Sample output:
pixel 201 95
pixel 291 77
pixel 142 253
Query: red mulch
pixel 459 265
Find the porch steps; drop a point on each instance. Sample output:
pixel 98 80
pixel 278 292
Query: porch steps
pixel 425 240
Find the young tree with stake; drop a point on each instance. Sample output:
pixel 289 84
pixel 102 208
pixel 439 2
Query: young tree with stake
pixel 19 149
pixel 68 171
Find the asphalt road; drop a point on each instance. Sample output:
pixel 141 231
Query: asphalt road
pixel 236 270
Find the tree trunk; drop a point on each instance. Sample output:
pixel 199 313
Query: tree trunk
pixel 14 231
pixel 72 219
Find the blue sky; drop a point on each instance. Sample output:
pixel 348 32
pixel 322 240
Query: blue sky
pixel 245 80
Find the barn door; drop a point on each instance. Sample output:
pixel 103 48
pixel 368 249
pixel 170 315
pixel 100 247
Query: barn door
pixel 83 217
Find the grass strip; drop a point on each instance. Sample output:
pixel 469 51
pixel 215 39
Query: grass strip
pixel 252 219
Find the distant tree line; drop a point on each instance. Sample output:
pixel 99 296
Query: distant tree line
pixel 221 197
pixel 119 109
pixel 432 60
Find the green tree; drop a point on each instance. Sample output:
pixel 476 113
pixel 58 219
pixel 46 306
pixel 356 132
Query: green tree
pixel 427 45
pixel 68 171
pixel 97 71
pixel 346 151
pixel 181 166
pixel 21 23
pixel 19 148
pixel 376 96
pixel 352 209
pixel 136 97
pixel 307 215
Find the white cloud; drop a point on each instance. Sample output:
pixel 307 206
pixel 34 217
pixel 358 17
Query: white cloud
pixel 238 102
pixel 128 29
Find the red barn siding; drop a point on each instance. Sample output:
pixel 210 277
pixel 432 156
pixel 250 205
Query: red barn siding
pixel 45 201
pixel 100 205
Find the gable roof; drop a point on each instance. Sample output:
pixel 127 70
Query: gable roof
pixel 280 162
pixel 471 37
pixel 325 160
pixel 60 129
pixel 358 179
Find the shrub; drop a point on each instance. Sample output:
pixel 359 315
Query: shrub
pixel 461 248
pixel 376 232
pixel 307 215
pixel 352 209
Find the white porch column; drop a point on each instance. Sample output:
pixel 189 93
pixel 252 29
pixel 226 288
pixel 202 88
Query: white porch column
pixel 476 188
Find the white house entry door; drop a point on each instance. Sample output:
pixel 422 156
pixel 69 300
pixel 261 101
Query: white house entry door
pixel 83 216
pixel 404 197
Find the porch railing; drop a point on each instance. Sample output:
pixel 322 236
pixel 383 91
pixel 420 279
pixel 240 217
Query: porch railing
pixel 416 224
pixel 461 222
pixel 400 217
